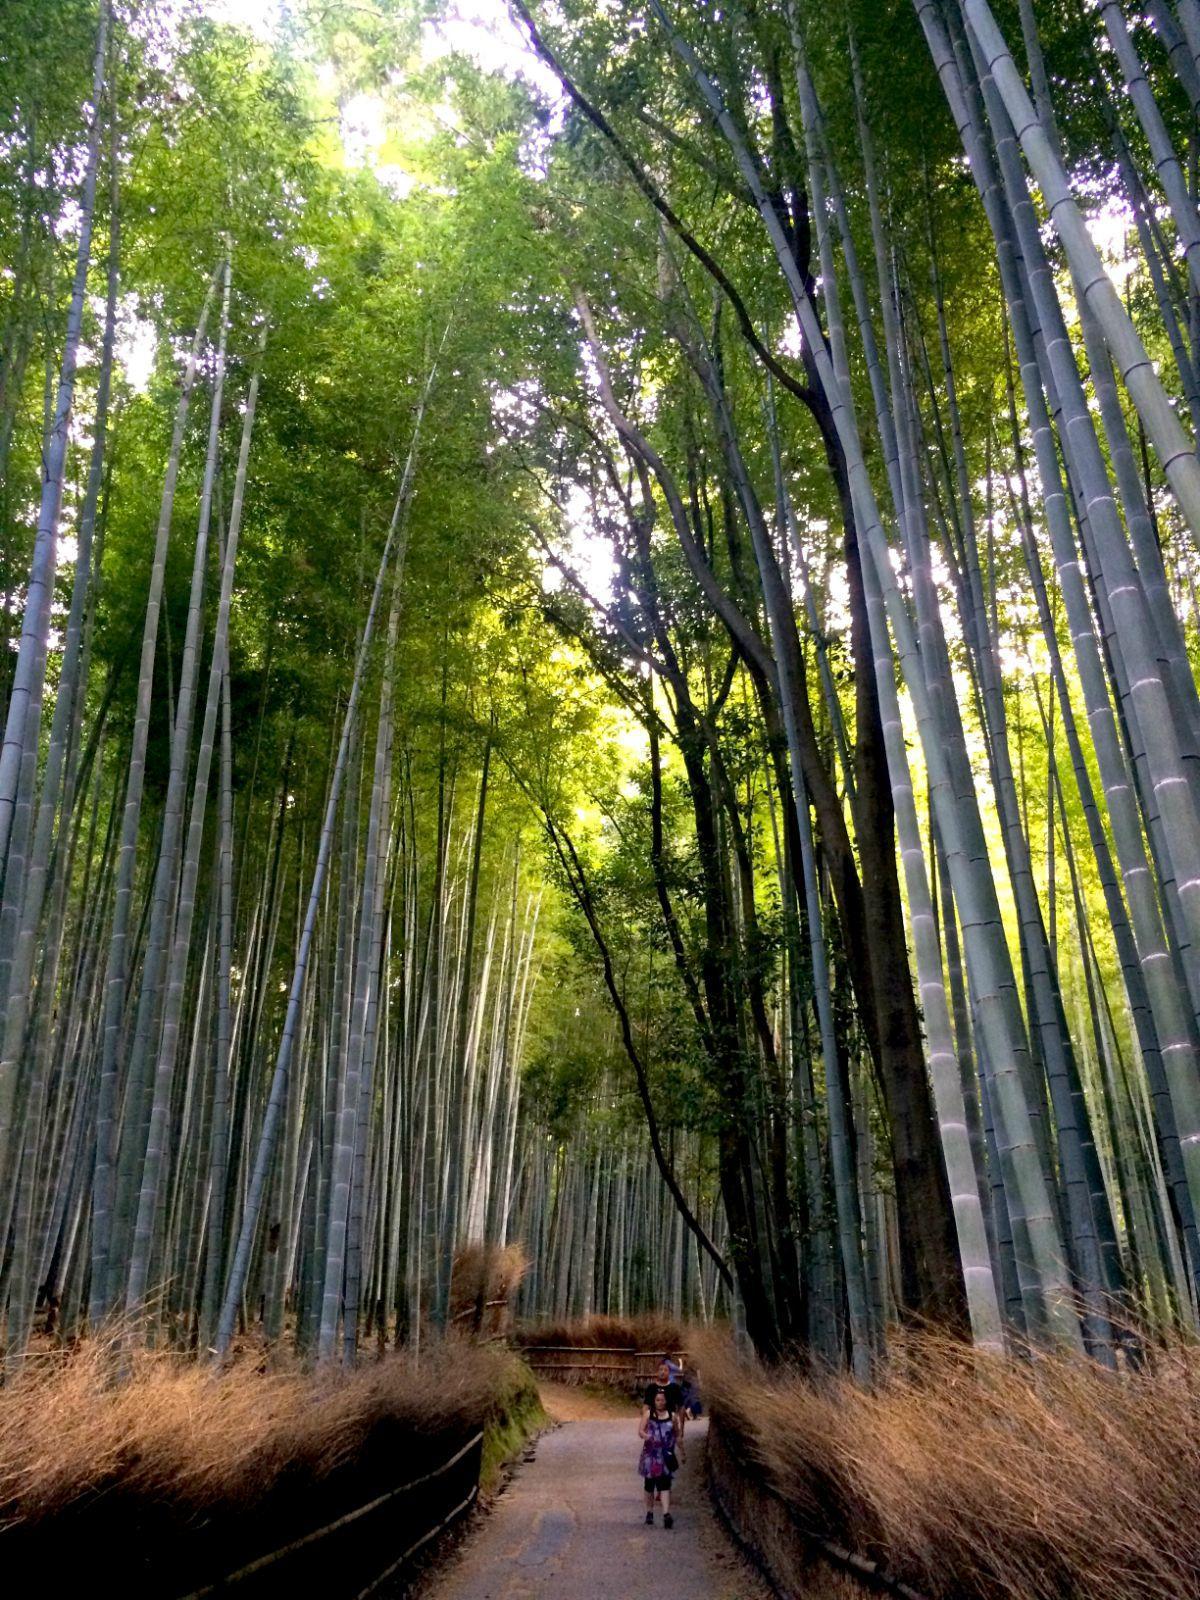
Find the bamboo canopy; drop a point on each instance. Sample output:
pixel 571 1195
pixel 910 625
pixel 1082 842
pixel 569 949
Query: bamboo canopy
pixel 600 691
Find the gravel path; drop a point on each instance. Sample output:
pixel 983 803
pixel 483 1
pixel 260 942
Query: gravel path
pixel 569 1527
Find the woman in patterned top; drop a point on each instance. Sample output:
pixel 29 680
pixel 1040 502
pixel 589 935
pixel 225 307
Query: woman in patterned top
pixel 657 1460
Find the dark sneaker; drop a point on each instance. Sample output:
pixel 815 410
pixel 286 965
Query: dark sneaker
pixel 668 1520
pixel 649 1519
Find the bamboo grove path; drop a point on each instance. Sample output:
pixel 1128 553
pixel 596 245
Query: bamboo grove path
pixel 569 1527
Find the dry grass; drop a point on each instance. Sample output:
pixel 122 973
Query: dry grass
pixel 182 1433
pixel 485 1278
pixel 180 1459
pixel 985 1479
pixel 649 1332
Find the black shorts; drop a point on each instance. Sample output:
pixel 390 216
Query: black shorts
pixel 653 1484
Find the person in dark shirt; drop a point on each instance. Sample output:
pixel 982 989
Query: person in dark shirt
pixel 689 1385
pixel 666 1385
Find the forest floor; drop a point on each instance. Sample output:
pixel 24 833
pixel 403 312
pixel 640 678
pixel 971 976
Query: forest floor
pixel 573 1402
pixel 569 1526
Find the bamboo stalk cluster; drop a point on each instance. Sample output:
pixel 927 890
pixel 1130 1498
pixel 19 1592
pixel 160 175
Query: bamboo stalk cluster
pixel 867 783
pixel 252 1078
pixel 1059 1195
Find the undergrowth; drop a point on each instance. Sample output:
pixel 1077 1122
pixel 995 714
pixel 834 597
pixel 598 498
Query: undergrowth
pixel 650 1331
pixel 484 1280
pixel 187 1466
pixel 185 1434
pixel 982 1478
pixel 507 1433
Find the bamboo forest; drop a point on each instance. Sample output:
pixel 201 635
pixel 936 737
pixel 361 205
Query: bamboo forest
pixel 599 649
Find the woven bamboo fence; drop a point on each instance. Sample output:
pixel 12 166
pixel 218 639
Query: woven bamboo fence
pixel 617 1366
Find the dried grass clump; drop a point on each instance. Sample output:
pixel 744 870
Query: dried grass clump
pixel 192 1443
pixel 485 1278
pixel 648 1332
pixel 982 1478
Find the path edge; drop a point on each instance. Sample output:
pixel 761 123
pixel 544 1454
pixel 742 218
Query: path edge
pixel 790 1560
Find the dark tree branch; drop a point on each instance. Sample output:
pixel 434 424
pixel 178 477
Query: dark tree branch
pixel 650 190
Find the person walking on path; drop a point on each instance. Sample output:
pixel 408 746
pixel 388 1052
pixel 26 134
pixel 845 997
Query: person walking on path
pixel 667 1385
pixel 657 1462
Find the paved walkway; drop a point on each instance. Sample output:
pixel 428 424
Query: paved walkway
pixel 570 1527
